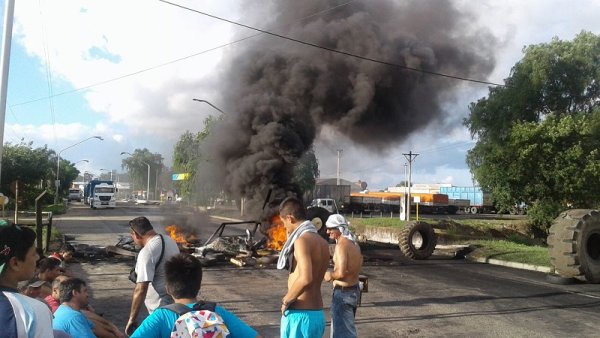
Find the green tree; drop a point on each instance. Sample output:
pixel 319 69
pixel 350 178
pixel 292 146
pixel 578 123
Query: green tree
pixel 35 169
pixel 137 168
pixel 537 136
pixel 188 158
pixel 306 171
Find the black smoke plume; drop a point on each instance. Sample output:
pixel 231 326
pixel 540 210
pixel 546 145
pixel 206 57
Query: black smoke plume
pixel 280 93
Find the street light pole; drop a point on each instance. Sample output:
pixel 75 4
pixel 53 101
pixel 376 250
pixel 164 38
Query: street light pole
pixel 210 104
pixel 148 182
pixel 58 163
pixel 86 161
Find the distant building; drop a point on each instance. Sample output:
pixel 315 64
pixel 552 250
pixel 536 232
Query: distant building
pixel 354 186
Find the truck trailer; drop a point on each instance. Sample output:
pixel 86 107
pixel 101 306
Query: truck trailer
pixel 479 201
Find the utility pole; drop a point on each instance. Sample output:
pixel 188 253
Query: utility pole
pixel 9 10
pixel 339 153
pixel 405 187
pixel 410 157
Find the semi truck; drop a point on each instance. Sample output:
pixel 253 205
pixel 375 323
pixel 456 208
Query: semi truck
pixel 479 201
pixel 100 194
pixel 334 198
pixel 428 203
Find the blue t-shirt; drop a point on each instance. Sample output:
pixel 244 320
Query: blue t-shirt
pixel 160 323
pixel 72 322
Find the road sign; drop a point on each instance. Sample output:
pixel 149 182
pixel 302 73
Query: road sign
pixel 180 177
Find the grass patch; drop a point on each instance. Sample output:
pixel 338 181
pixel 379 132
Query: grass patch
pixel 376 222
pixel 513 252
pixel 56 209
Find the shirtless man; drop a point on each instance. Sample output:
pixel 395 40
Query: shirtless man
pixel 347 261
pixel 306 255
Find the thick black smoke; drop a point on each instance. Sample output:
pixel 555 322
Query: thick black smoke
pixel 281 92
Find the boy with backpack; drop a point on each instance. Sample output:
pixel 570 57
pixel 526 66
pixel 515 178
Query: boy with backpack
pixel 187 316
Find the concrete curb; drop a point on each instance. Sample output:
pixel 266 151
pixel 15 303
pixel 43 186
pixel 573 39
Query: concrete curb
pixel 515 265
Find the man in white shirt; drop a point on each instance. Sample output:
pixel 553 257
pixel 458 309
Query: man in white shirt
pixel 150 281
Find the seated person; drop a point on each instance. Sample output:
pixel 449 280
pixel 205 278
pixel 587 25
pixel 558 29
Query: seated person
pixel 68 317
pixel 102 327
pixel 49 269
pixel 184 277
pixel 53 300
pixel 20 316
pixel 33 288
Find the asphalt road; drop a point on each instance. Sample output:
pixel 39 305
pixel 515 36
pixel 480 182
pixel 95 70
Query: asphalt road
pixel 432 298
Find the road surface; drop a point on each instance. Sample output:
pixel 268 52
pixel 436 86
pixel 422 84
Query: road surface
pixel 432 298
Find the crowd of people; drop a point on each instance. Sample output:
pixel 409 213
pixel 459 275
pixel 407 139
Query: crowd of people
pixel 42 299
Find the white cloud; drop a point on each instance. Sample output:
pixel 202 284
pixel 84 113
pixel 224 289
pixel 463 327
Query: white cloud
pixel 90 41
pixel 118 138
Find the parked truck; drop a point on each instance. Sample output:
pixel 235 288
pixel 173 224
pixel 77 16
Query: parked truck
pixel 479 201
pixel 100 194
pixel 334 198
pixel 74 194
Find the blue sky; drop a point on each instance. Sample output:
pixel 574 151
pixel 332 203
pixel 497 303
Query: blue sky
pixel 79 44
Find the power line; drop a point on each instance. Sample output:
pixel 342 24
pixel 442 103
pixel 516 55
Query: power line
pixel 166 63
pixel 334 50
pixel 48 72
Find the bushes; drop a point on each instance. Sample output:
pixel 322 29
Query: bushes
pixel 542 213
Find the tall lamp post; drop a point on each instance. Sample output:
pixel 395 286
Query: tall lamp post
pixel 210 104
pixel 148 182
pixel 57 182
pixel 86 161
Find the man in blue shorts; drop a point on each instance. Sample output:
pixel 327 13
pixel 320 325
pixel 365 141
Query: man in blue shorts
pixel 184 277
pixel 305 255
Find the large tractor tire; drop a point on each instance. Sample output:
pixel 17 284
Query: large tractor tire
pixel 417 240
pixel 574 244
pixel 318 216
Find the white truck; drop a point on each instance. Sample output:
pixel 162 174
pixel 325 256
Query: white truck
pixel 75 194
pixel 328 204
pixel 103 196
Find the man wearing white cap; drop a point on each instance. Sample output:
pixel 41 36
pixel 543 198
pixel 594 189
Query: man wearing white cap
pixel 347 261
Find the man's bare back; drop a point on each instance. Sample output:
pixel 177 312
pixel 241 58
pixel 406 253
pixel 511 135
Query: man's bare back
pixel 311 258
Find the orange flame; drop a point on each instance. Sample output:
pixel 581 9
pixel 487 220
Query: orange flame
pixel 277 234
pixel 176 234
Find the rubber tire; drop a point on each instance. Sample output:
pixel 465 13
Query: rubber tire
pixel 407 237
pixel 318 216
pixel 474 210
pixel 574 244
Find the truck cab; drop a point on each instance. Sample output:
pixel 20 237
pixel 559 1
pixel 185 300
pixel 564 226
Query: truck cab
pixel 103 196
pixel 328 204
pixel 74 194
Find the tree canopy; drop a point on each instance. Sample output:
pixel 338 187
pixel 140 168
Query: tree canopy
pixel 538 136
pixel 306 171
pixel 35 169
pixel 188 158
pixel 137 168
